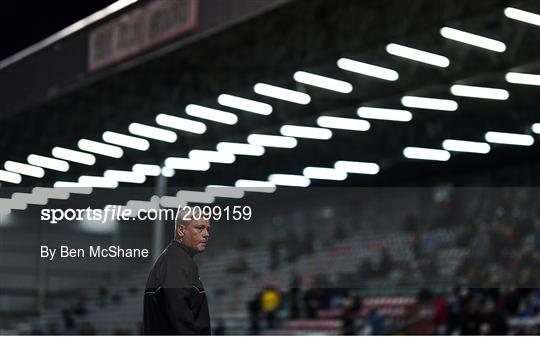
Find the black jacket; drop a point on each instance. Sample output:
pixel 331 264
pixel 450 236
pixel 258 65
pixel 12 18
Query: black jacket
pixel 174 300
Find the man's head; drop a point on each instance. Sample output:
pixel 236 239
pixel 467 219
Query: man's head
pixel 192 231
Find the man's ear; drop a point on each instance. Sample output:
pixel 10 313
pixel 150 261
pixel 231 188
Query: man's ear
pixel 180 231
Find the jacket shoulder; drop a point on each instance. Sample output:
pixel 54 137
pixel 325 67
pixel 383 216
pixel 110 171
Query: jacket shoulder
pixel 178 269
pixel 173 268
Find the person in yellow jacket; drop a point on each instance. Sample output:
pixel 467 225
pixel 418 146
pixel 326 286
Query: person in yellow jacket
pixel 270 303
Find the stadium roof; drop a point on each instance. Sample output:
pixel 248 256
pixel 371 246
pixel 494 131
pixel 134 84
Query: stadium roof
pixel 282 47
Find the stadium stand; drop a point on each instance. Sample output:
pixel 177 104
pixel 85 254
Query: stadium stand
pixel 388 300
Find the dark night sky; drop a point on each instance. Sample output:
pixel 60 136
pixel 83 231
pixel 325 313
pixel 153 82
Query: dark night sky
pixel 25 22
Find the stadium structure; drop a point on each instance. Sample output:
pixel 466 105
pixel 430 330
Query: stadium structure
pixel 387 151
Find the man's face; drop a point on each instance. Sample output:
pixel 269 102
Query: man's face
pixel 196 234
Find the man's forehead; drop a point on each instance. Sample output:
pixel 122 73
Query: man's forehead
pixel 200 222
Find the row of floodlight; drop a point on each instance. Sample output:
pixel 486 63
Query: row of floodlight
pixel 339 172
pixel 455 145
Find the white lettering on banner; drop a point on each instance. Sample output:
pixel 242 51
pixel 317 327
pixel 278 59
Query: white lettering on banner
pixel 140 29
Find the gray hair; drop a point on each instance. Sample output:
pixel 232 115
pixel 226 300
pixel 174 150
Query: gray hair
pixel 184 216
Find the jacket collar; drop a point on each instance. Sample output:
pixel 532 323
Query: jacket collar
pixel 190 251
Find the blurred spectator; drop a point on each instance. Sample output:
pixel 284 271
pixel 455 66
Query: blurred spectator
pixel 294 297
pixel 454 317
pixel 254 311
pixel 351 306
pixel 493 321
pixel 374 323
pixel 270 303
pixel 69 322
pixel 471 316
pixel 510 301
pixel 440 319
pixel 79 307
pixel 313 301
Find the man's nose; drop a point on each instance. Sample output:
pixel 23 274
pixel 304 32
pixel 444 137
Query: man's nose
pixel 205 234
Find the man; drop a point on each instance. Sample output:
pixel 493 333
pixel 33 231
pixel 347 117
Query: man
pixel 174 300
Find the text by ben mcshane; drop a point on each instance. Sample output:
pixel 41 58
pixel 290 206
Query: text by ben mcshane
pixel 93 252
